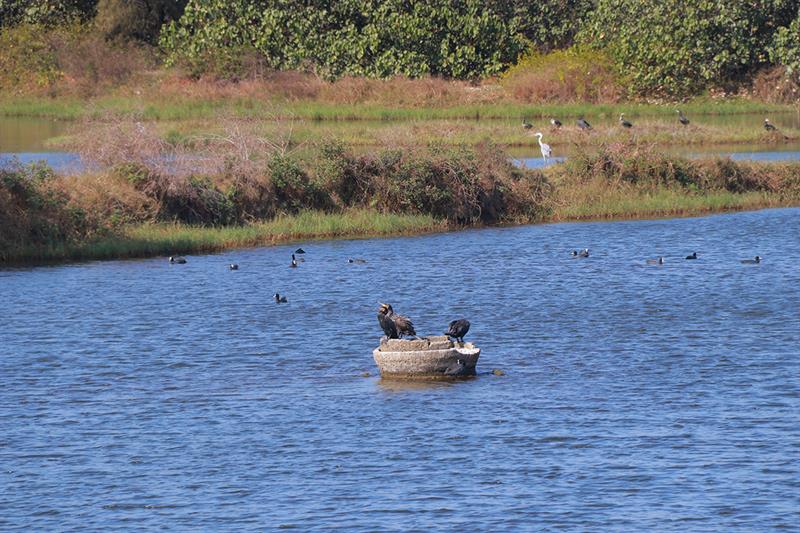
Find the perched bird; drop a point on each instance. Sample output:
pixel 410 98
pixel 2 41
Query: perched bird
pixel 769 126
pixel 682 118
pixel 527 125
pixel 756 260
pixel 357 260
pixel 402 323
pixel 624 123
pixel 545 148
pixel 582 124
pixel 280 299
pixel 456 369
pixel 659 261
pixel 555 123
pixel 387 324
pixel 693 256
pixel 299 251
pixel 294 262
pixel 179 260
pixel 457 329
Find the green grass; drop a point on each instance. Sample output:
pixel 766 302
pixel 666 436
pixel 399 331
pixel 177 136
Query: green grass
pixel 175 108
pixel 666 203
pixel 170 239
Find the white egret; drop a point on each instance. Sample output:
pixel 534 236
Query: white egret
pixel 546 151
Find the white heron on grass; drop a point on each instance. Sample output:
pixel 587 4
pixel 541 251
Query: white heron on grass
pixel 546 151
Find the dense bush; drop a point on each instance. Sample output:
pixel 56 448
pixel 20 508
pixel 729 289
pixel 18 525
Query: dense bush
pixel 548 24
pixel 45 12
pixel 35 212
pixel 786 48
pixel 454 38
pixel 679 48
pixel 136 19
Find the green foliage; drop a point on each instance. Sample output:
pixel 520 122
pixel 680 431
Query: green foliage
pixel 547 24
pixel 786 48
pixel 139 20
pixel 454 38
pixel 45 12
pixel 679 48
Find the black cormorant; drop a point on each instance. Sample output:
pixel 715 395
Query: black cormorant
pixel 387 324
pixel 693 256
pixel 178 260
pixel 582 124
pixel 403 323
pixel 624 123
pixel 280 299
pixel 457 329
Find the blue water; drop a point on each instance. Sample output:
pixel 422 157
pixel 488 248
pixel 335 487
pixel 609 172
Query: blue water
pixel 139 395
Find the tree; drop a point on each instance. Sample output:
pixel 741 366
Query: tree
pixel 139 20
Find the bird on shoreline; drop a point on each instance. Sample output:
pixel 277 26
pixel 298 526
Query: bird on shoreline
pixel 177 260
pixel 527 125
pixel 659 261
pixel 624 123
pixel 280 299
pixel 756 260
pixel 457 329
pixel 769 126
pixel 693 256
pixel 555 123
pixel 544 147
pixel 402 323
pixel 682 118
pixel 582 124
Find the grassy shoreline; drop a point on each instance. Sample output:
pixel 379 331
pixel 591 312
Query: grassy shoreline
pixel 174 107
pixel 153 240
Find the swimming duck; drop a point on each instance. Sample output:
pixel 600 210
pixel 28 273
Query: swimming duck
pixel 457 329
pixel 693 256
pixel 659 261
pixel 294 262
pixel 756 260
pixel 584 253
pixel 357 260
pixel 179 260
pixel 280 299
pixel 299 251
pixel 233 266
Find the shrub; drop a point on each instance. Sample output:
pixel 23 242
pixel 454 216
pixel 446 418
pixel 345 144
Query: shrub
pixel 785 49
pixel 573 75
pixel 136 19
pixel 710 43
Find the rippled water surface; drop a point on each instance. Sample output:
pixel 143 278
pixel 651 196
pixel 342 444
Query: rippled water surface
pixel 138 395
